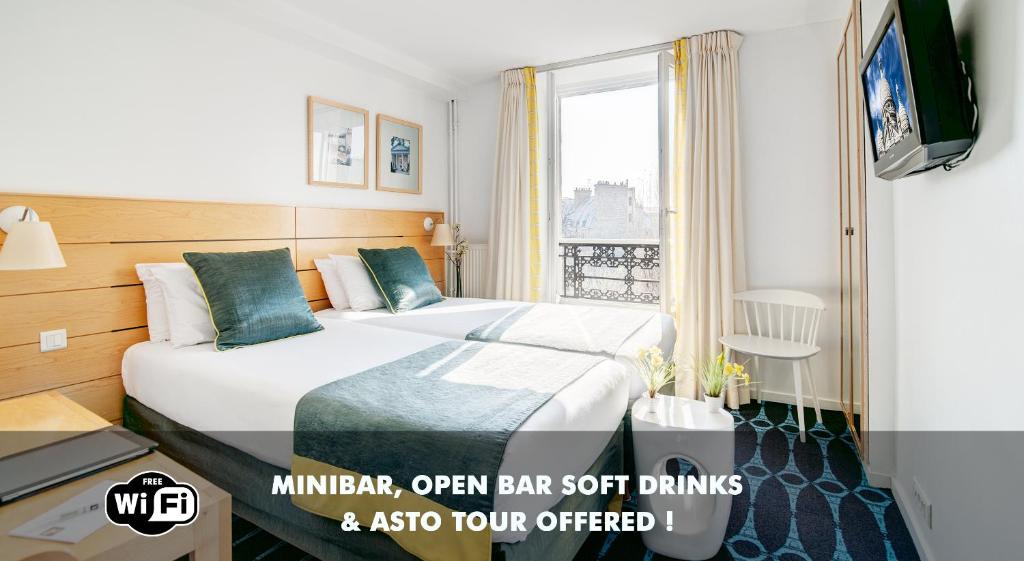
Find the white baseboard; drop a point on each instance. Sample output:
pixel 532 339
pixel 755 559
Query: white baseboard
pixel 917 532
pixel 880 480
pixel 785 397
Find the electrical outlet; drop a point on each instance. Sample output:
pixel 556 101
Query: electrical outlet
pixel 53 340
pixel 923 505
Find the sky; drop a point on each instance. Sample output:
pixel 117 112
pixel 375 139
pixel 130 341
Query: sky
pixel 889 54
pixel 613 136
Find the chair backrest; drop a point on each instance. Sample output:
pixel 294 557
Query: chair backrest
pixel 768 313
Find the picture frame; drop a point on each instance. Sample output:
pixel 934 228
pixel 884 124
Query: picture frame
pixel 399 155
pixel 337 144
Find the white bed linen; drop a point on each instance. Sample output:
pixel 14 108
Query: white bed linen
pixel 232 394
pixel 457 317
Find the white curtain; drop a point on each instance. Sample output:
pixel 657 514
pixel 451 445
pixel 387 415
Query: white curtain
pixel 515 228
pixel 708 226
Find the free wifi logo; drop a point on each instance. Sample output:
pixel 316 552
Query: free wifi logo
pixel 152 503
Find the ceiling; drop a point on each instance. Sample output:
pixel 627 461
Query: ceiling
pixel 471 40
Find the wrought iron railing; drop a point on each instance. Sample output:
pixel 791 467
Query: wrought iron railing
pixel 611 271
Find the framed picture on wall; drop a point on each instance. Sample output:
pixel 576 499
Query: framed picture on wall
pixel 338 140
pixel 399 155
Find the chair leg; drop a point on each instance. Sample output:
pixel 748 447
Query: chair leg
pixel 757 370
pixel 814 391
pixel 797 382
pixel 726 353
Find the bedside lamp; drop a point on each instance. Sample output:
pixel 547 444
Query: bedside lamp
pixel 443 235
pixel 30 244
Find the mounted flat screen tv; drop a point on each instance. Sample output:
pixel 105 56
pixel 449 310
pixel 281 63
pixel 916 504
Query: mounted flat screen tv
pixel 918 109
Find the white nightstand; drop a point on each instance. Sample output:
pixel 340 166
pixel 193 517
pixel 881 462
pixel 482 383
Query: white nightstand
pixel 669 428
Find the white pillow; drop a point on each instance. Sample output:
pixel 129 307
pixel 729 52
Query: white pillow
pixel 332 282
pixel 188 316
pixel 362 293
pixel 156 306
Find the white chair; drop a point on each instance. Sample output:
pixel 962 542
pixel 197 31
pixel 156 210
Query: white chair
pixel 781 324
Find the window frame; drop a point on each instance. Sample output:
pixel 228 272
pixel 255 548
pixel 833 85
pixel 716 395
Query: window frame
pixel 553 120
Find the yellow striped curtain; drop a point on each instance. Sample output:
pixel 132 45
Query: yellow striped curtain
pixel 530 74
pixel 706 252
pixel 515 271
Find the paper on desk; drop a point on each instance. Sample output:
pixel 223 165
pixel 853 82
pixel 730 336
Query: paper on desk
pixel 71 521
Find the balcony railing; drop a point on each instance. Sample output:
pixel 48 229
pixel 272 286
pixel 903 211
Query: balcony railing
pixel 613 271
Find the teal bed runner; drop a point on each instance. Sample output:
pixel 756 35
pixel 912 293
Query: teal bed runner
pixel 446 410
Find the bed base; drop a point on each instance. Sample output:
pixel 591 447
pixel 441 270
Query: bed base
pixel 247 478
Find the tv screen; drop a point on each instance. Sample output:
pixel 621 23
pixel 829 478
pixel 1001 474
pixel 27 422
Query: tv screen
pixel 920 114
pixel 888 98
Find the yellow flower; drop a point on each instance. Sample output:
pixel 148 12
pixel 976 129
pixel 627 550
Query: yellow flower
pixel 720 358
pixel 728 368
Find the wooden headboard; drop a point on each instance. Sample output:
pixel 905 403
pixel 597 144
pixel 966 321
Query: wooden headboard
pixel 98 297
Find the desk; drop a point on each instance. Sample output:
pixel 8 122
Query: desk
pixel 37 419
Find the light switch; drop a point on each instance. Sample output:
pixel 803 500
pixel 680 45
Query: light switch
pixel 53 340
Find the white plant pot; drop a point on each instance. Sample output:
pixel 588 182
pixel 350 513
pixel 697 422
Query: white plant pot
pixel 715 403
pixel 653 404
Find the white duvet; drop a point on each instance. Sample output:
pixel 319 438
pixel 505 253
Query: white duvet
pixel 240 396
pixel 455 318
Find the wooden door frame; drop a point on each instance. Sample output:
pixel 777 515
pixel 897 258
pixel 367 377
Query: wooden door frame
pixel 856 171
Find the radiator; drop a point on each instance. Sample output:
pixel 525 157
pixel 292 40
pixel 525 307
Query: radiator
pixel 474 272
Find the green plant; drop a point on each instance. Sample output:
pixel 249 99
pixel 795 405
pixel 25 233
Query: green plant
pixel 714 374
pixel 460 247
pixel 655 370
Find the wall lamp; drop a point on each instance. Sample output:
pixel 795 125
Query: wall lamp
pixel 30 244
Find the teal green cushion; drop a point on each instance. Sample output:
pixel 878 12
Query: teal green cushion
pixel 254 296
pixel 401 277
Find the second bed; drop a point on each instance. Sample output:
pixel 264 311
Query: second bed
pixel 580 327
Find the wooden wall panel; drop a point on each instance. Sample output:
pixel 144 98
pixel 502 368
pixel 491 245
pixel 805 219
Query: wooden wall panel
pixel 360 223
pixel 105 264
pixel 26 370
pixel 317 305
pixel 105 396
pixel 93 219
pixel 81 312
pixel 312 285
pixel 315 248
pixel 436 268
pixel 98 299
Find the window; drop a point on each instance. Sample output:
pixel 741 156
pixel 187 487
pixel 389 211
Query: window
pixel 609 156
pixel 606 240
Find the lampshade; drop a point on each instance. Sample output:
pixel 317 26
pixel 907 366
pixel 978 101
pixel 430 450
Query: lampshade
pixel 442 235
pixel 30 245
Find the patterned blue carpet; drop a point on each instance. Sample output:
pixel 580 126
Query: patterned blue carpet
pixel 801 501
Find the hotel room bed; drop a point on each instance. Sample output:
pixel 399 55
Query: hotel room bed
pixel 459 318
pixel 247 398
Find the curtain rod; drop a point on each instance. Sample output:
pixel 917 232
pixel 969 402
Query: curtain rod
pixel 605 57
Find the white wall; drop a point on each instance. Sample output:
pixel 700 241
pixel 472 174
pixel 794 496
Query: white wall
pixel 958 239
pixel 155 99
pixel 790 196
pixel 478 129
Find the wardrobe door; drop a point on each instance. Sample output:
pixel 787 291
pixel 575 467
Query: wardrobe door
pixel 843 122
pixel 853 257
